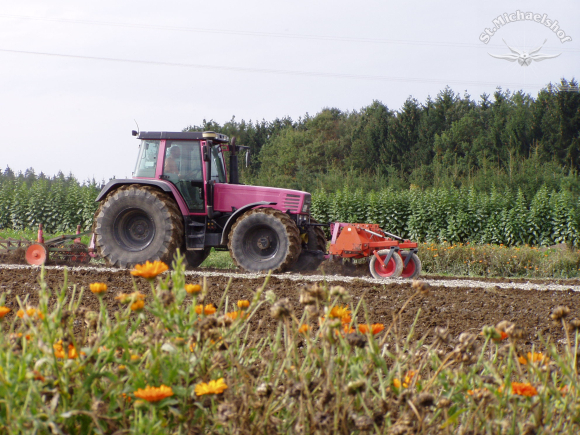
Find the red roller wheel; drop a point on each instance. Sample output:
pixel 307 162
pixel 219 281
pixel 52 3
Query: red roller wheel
pixel 36 254
pixel 392 269
pixel 413 268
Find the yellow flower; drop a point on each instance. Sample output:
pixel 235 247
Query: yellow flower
pixel 192 288
pixel 4 311
pixel 135 357
pixel 149 270
pixel 30 312
pixel 137 305
pixel 339 312
pixel 98 287
pixel 243 303
pixel 533 357
pixel 59 350
pixel 153 394
pixel 208 310
pixel 212 387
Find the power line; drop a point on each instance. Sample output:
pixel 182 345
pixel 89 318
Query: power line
pixel 267 70
pixel 265 34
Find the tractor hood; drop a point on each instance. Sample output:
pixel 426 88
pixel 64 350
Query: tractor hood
pixel 234 196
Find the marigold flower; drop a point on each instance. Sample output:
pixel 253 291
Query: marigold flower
pixel 407 380
pixel 208 310
pixel 3 311
pixel 363 329
pixel 125 298
pixel 212 387
pixel 476 391
pixel 303 328
pixel 149 270
pixel 192 288
pixel 38 376
pixel 243 303
pixel 126 397
pixel 135 357
pixel 98 287
pixel 345 320
pixel 339 312
pixel 524 389
pixel 533 357
pixel 137 305
pixel 234 315
pixel 30 312
pixel 154 394
pixel 59 350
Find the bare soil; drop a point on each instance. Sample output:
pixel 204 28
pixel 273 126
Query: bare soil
pixel 460 309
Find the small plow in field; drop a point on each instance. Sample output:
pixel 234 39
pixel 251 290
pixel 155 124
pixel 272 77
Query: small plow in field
pixel 67 248
pixel 389 256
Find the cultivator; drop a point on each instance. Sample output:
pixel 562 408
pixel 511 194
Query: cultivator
pixel 389 256
pixel 67 248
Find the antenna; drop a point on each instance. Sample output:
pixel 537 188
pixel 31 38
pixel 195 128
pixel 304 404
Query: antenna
pixel 138 131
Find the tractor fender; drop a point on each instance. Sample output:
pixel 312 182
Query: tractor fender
pixel 163 185
pixel 234 217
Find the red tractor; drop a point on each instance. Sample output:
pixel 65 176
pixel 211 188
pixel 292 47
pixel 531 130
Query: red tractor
pixel 181 197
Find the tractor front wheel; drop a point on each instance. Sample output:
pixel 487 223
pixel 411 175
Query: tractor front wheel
pixel 312 240
pixel 264 239
pixel 392 269
pixel 138 223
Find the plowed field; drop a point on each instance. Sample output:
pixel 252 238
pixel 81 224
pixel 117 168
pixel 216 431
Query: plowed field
pixel 467 306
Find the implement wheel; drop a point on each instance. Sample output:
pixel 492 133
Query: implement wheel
pixel 392 269
pixel 138 223
pixel 264 239
pixel 414 267
pixel 36 254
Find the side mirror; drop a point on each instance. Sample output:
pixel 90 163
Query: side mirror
pixel 206 156
pixel 248 158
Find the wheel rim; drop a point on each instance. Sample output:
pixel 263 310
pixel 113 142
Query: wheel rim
pixel 386 270
pixel 36 254
pixel 410 269
pixel 134 229
pixel 260 243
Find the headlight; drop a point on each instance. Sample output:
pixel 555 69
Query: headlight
pixel 306 206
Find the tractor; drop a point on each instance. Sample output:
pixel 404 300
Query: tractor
pixel 181 196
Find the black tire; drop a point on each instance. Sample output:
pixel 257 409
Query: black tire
pixel 138 223
pixel 316 242
pixel 264 239
pixel 195 258
pixel 414 267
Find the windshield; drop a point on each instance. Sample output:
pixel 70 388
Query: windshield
pixel 217 165
pixel 147 160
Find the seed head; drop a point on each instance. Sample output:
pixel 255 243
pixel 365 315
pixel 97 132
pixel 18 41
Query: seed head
pixel 574 325
pixel 422 286
pixel 356 340
pixel 339 292
pixel 504 326
pixel 355 386
pixel 281 309
pixel 99 407
pixel 444 403
pixel 560 312
pixel 441 335
pixel 167 298
pixel 517 333
pixel 264 390
pixel 424 400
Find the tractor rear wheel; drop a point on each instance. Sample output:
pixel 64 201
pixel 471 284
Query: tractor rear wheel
pixel 138 223
pixel 315 241
pixel 392 269
pixel 264 239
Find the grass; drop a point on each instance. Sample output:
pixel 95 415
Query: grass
pixel 219 260
pixel 312 374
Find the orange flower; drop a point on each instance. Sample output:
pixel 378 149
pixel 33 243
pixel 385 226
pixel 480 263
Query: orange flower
pixel 3 311
pixel 153 394
pixel 126 397
pixel 363 329
pixel 59 350
pixel 98 287
pixel 125 298
pixel 476 390
pixel 30 312
pixel 533 357
pixel 38 376
pixel 524 389
pixel 339 312
pixel 243 303
pixel 303 328
pixel 149 270
pixel 345 320
pixel 234 315
pixel 347 329
pixel 135 357
pixel 208 310
pixel 408 378
pixel 192 288
pixel 212 387
pixel 377 327
pixel 137 305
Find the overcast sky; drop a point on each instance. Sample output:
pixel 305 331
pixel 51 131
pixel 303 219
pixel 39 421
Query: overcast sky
pixel 64 106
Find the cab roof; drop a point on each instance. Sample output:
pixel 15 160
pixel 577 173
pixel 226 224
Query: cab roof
pixel 180 135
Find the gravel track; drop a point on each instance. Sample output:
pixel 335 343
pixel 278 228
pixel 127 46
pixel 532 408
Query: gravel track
pixel 449 283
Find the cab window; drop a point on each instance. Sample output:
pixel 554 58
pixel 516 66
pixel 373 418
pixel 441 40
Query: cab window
pixel 217 165
pixel 147 159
